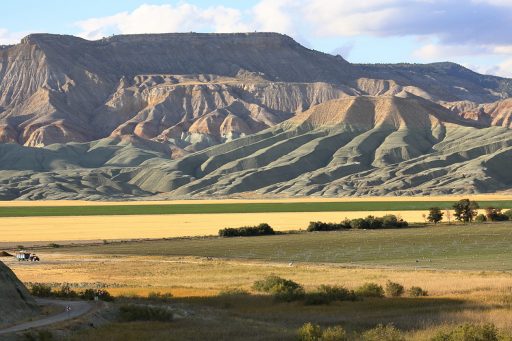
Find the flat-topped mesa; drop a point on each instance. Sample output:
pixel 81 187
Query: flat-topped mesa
pixel 276 56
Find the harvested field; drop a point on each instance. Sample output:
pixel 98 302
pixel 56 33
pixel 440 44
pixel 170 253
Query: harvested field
pixel 46 229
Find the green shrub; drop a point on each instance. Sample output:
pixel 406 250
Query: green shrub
pixel 359 223
pixel 321 226
pixel 392 221
pixel 65 291
pixel 310 332
pixel 494 214
pixel 337 293
pixel 41 290
pixel 370 290
pixel 480 218
pixel 132 312
pixel 247 231
pixel 335 333
pixel 374 222
pixel 282 289
pixel 394 289
pixel 383 333
pixel 90 294
pixel 508 213
pixel 417 292
pixel 469 332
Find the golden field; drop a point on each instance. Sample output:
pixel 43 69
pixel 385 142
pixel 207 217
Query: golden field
pixel 45 229
pixel 455 197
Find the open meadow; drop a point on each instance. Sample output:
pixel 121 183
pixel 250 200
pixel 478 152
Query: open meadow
pixel 466 270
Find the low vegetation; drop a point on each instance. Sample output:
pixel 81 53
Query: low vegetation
pixel 247 231
pixel 370 222
pixel 65 291
pixel 135 312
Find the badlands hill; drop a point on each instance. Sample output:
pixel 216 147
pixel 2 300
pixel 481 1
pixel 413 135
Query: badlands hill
pixel 220 114
pixel 16 304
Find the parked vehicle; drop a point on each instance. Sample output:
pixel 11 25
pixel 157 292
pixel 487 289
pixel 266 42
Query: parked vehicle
pixel 27 256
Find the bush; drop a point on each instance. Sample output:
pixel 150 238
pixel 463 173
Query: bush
pixel 41 290
pixel 374 222
pixel 359 223
pixel 90 294
pixel 508 213
pixel 321 226
pixel 247 231
pixel 335 333
pixel 313 332
pixel 132 312
pixel 65 291
pixel 310 332
pixel 282 289
pixel 370 290
pixel 469 332
pixel 394 289
pixel 383 333
pixel 435 215
pixel 392 221
pixel 417 292
pixel 494 214
pixel 326 294
pixel 480 218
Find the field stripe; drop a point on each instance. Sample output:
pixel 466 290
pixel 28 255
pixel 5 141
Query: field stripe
pixel 56 211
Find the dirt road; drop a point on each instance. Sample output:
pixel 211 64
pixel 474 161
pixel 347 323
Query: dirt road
pixel 72 309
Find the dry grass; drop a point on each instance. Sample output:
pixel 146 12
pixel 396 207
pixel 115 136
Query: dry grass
pixel 94 228
pixel 197 276
pixel 477 197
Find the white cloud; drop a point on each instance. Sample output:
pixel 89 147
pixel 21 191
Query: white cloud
pixel 164 18
pixel 450 28
pixel 8 37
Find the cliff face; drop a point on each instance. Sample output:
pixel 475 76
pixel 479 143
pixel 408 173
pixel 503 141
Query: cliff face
pixel 191 91
pixel 15 301
pixel 219 114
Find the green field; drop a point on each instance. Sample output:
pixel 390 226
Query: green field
pixel 471 247
pixel 41 211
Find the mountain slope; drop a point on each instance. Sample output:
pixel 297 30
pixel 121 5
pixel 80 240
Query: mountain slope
pixel 189 91
pixel 362 145
pixel 16 304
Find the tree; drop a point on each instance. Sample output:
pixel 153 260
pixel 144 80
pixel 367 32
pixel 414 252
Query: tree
pixel 494 214
pixel 465 210
pixel 435 215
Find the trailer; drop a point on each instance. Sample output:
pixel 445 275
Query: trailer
pixel 27 256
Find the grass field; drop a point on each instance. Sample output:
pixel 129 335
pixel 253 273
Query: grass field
pixel 476 247
pixel 202 208
pixel 41 230
pixel 465 269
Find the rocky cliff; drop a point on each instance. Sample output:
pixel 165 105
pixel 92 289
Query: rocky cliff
pixel 219 114
pixel 15 302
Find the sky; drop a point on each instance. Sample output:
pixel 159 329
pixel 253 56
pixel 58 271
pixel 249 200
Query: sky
pixel 473 33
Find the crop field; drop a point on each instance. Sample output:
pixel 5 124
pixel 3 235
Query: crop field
pixel 205 208
pixel 466 270
pixel 475 247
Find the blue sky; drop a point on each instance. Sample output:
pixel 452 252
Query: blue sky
pixel 474 33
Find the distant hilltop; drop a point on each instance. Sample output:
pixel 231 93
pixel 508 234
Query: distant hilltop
pixel 126 99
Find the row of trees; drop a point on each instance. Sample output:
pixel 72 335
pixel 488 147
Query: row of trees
pixel 466 211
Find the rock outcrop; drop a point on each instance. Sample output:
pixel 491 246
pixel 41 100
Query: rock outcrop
pixel 16 304
pixel 192 115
